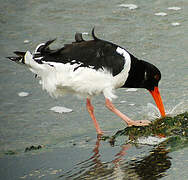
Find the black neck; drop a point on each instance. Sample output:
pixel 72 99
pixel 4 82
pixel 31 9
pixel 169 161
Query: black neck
pixel 136 73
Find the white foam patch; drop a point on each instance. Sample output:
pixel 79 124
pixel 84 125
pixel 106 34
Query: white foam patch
pixel 161 14
pixel 26 41
pixel 175 24
pixel 61 109
pixel 132 90
pixel 150 140
pixel 23 94
pixel 174 8
pixel 123 102
pixel 129 6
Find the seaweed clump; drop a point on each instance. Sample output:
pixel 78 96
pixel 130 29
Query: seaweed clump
pixel 31 148
pixel 163 127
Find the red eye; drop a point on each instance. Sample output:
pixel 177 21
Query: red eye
pixel 157 77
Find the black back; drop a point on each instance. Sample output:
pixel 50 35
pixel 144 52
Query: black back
pixel 94 54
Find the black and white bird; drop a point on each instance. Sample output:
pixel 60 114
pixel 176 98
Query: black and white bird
pixel 89 68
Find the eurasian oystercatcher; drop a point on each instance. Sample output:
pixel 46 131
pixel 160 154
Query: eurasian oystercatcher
pixel 89 68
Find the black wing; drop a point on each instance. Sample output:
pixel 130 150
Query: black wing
pixel 94 54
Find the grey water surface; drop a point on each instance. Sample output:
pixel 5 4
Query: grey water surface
pixel 154 30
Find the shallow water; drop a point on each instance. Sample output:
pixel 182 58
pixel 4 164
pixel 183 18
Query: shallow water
pixel 69 138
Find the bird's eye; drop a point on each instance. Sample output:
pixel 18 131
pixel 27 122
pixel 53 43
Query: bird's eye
pixel 157 77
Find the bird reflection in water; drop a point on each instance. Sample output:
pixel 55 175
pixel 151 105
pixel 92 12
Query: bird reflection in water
pixel 151 166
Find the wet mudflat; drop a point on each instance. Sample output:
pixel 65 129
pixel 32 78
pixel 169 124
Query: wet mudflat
pixel 154 31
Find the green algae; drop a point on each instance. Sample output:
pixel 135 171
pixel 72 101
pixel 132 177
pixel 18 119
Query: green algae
pixel 172 127
pixel 10 152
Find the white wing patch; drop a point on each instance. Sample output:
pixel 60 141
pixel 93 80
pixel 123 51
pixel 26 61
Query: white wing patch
pixel 124 53
pixel 123 75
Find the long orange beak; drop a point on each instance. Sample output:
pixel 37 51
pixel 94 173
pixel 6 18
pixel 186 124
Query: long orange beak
pixel 158 100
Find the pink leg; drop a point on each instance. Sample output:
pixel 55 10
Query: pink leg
pixel 91 112
pixel 129 122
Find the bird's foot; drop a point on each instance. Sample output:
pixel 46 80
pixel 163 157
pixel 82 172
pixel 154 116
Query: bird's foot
pixel 104 135
pixel 139 123
pixel 99 134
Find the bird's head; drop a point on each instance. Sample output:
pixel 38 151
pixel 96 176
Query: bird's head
pixel 152 76
pixel 145 75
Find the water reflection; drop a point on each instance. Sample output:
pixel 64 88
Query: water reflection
pixel 151 166
pixel 154 165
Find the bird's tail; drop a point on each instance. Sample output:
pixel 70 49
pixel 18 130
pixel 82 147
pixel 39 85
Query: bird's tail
pixel 34 60
pixel 40 51
pixel 20 58
pixel 26 58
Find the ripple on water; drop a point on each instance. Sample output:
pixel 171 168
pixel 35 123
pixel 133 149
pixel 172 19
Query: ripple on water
pixel 132 90
pixel 161 14
pixel 174 8
pixel 175 24
pixel 129 6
